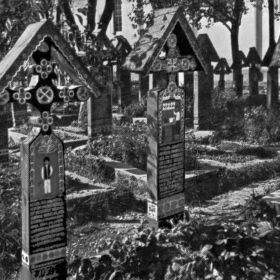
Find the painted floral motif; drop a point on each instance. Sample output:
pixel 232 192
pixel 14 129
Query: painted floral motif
pixel 22 96
pixel 46 121
pixel 44 69
pixel 4 97
pixel 66 94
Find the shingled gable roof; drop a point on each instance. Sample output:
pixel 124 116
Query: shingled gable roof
pixel 150 45
pixel 207 47
pixel 253 57
pixel 29 41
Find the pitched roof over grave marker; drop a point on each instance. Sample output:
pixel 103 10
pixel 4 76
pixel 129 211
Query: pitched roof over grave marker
pixel 222 67
pixel 207 47
pixel 253 57
pixel 150 45
pixel 31 39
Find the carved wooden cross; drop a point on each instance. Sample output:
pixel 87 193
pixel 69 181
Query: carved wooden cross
pixel 222 68
pixel 45 92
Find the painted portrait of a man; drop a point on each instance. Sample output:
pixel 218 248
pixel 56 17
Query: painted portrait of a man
pixel 46 173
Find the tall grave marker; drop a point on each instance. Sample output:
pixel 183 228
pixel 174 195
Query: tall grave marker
pixel 42 157
pixel 253 60
pixel 205 83
pixel 168 47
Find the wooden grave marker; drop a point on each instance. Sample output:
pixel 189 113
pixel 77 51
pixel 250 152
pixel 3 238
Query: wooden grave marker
pixel 168 47
pixel 42 156
pixel 222 69
pixel 238 74
pixel 205 83
pixel 253 60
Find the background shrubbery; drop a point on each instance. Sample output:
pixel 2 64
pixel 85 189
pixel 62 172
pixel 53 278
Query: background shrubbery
pixel 135 110
pixel 244 118
pixel 128 144
pixel 10 222
pixel 88 166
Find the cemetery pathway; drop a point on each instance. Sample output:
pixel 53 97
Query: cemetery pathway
pixel 229 206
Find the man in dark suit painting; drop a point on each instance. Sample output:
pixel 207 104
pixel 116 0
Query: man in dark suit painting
pixel 46 173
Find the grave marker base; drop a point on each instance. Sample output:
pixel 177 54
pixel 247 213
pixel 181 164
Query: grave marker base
pixel 50 270
pixel 162 211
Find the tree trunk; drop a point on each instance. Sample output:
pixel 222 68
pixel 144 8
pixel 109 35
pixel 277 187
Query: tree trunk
pixel 58 16
pixel 71 22
pixel 237 68
pixel 271 22
pixel 106 16
pixel 91 16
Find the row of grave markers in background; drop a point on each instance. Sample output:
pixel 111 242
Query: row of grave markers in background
pixel 199 88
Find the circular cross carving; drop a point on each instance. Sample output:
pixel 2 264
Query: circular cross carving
pixel 4 97
pixel 82 94
pixel 45 95
pixel 172 41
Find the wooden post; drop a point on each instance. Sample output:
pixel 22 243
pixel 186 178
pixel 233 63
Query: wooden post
pixel 205 90
pixel 255 75
pixel 144 85
pixel 206 81
pixel 272 87
pixel 151 81
pixel 100 115
pixel 189 90
pixel 124 78
pixel 196 101
pixel 5 123
pixel 100 110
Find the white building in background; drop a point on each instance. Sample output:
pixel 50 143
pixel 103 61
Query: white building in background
pixel 120 23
